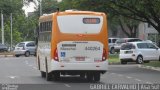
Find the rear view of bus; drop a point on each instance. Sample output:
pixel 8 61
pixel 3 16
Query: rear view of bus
pixel 81 47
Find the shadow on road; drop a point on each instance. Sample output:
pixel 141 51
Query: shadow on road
pixel 74 79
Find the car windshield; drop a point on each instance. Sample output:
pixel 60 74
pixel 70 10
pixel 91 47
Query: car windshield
pixel 134 40
pixel 119 41
pixel 127 46
pixel 114 40
pixel 21 44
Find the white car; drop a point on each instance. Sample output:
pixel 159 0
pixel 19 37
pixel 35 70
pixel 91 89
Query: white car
pixel 111 42
pixel 121 41
pixel 25 48
pixel 139 52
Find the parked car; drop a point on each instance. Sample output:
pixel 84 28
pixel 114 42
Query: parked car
pixel 111 42
pixel 139 52
pixel 121 41
pixel 3 48
pixel 25 48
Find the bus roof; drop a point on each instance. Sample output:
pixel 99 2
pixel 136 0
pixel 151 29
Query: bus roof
pixel 48 17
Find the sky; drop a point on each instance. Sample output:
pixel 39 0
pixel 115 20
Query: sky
pixel 30 8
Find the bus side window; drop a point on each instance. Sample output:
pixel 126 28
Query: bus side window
pixel 50 26
pixel 40 29
pixel 46 26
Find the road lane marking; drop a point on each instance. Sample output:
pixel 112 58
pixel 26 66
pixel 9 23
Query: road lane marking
pixel 12 77
pixel 129 77
pixel 149 83
pixel 138 80
pixel 67 85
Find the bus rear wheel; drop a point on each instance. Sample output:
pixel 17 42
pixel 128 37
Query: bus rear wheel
pixel 49 76
pixel 56 76
pixel 89 76
pixel 43 74
pixel 96 77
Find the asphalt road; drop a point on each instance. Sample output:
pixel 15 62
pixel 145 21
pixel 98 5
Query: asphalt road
pixel 21 74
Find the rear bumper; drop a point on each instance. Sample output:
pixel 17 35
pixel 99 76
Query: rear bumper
pixel 98 66
pixel 127 57
pixel 117 48
pixel 19 52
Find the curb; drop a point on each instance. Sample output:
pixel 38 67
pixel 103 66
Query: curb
pixel 6 55
pixel 111 63
pixel 149 67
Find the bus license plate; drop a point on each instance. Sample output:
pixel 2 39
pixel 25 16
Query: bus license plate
pixel 80 58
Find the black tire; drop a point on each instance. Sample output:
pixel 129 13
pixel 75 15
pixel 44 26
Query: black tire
pixel 123 62
pixel 89 77
pixel 96 77
pixel 112 51
pixel 17 55
pixel 49 76
pixel 146 61
pixel 139 60
pixel 27 54
pixel 56 76
pixel 43 74
pixel 35 54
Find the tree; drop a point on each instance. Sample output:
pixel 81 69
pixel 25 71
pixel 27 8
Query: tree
pixel 114 19
pixel 23 27
pixel 141 10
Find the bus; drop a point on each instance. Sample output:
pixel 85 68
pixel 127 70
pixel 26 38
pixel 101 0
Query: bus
pixel 72 43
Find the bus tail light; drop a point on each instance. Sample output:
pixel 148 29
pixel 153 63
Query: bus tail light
pixel 104 56
pixel 55 57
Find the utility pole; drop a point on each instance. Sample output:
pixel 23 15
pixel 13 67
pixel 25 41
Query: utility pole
pixel 40 7
pixel 11 33
pixel 2 27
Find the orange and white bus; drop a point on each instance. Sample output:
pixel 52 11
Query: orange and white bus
pixel 73 43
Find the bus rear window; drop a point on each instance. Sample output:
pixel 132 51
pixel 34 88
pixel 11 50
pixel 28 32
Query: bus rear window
pixel 127 46
pixel 80 24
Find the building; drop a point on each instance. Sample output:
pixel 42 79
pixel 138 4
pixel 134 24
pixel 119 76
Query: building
pixel 147 32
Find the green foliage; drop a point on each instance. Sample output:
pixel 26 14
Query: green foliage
pixel 90 5
pixel 103 6
pixel 153 64
pixel 141 10
pixel 49 6
pixel 23 27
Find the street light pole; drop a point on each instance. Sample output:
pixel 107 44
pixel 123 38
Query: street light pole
pixel 40 7
pixel 11 33
pixel 2 27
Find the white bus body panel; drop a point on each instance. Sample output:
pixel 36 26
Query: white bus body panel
pixel 79 55
pixel 98 66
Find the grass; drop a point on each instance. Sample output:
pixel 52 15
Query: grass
pixel 113 58
pixel 153 64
